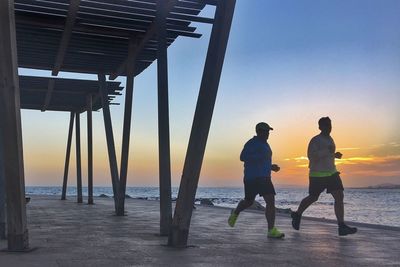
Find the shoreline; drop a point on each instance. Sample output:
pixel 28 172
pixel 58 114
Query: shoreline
pixel 283 213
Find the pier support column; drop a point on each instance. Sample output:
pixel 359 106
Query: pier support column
pixel 67 156
pixel 110 137
pixel 10 126
pixel 163 121
pixel 201 123
pixel 78 158
pixel 89 102
pixel 2 194
pixel 130 76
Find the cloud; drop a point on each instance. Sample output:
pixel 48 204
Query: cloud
pixel 348 148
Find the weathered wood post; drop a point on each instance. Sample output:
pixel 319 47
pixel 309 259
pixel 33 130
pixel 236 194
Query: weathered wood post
pixel 163 121
pixel 89 103
pixel 10 126
pixel 67 156
pixel 109 136
pixel 2 193
pixel 126 132
pixel 78 158
pixel 201 123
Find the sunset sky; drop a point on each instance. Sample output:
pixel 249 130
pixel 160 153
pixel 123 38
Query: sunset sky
pixel 288 63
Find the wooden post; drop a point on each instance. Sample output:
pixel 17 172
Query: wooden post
pixel 163 121
pixel 130 74
pixel 90 148
pixel 110 137
pixel 2 193
pixel 67 156
pixel 201 123
pixel 78 157
pixel 10 126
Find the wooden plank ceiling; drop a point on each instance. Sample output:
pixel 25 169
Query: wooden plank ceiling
pixel 92 36
pixel 67 94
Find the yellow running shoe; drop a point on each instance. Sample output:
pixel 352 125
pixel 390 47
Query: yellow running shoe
pixel 232 218
pixel 274 233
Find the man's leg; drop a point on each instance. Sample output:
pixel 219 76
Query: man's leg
pixel 304 204
pixel 250 192
pixel 339 212
pixel 270 210
pixel 273 232
pixel 339 206
pixel 242 205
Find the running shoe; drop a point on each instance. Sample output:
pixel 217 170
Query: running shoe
pixel 296 218
pixel 232 218
pixel 347 230
pixel 275 233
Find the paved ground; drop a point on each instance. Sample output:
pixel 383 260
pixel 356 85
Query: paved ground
pixel 68 234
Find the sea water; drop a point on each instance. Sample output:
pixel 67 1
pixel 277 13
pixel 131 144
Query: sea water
pixel 375 206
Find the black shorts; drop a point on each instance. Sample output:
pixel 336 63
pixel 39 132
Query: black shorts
pixel 330 183
pixel 262 186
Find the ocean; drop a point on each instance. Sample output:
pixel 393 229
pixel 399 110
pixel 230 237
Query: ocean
pixel 374 206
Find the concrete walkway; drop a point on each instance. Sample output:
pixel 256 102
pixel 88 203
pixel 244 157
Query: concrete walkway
pixel 64 233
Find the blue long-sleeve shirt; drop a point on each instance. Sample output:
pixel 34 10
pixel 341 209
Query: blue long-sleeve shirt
pixel 257 158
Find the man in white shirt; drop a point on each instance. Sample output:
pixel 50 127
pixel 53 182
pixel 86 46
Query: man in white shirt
pixel 323 175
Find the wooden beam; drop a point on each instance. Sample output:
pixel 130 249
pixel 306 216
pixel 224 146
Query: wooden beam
pixel 110 138
pixel 90 148
pixel 78 158
pixel 2 193
pixel 152 30
pixel 49 93
pixel 201 123
pixel 69 24
pixel 163 122
pixel 130 70
pixel 191 18
pixel 67 156
pixel 10 126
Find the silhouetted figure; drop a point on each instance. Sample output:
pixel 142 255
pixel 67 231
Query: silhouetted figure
pixel 257 158
pixel 323 175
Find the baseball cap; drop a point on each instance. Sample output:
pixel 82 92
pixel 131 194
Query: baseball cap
pixel 263 126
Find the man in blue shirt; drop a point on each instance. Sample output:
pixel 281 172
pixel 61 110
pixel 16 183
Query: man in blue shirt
pixel 257 158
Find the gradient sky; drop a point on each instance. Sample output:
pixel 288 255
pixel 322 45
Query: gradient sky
pixel 289 62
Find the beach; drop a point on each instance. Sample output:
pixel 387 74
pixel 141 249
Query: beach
pixel 64 233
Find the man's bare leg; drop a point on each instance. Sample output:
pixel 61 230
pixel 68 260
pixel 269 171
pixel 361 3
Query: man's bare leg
pixel 242 205
pixel 305 203
pixel 270 210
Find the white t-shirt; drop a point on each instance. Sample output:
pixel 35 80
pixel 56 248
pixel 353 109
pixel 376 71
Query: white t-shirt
pixel 321 154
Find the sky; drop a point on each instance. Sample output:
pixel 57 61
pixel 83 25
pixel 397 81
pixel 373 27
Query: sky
pixel 288 63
